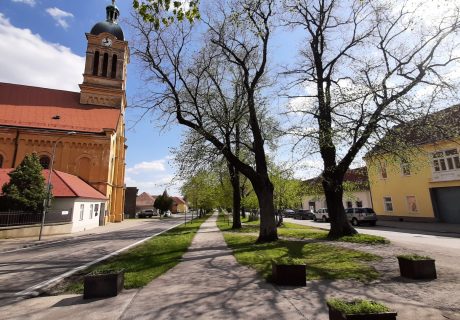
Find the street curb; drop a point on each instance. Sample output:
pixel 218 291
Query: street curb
pixel 39 288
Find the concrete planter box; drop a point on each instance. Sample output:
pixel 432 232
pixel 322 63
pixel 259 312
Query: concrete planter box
pixel 417 269
pixel 289 275
pixel 335 314
pixel 103 285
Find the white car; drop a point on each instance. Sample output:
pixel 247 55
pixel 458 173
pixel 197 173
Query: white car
pixel 321 215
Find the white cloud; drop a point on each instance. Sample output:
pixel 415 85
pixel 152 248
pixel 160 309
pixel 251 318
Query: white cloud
pixel 28 2
pixel 156 165
pixel 28 59
pixel 60 16
pixel 152 177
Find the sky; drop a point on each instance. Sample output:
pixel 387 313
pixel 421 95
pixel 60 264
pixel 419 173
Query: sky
pixel 46 41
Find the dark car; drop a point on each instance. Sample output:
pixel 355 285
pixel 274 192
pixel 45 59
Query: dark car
pixel 304 214
pixel 359 215
pixel 146 214
pixel 288 213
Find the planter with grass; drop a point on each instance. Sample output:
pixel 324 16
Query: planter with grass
pixel 359 310
pixel 289 272
pixel 417 267
pixel 103 284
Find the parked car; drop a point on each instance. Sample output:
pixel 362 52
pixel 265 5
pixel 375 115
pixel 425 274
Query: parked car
pixel 288 213
pixel 304 214
pixel 146 213
pixel 360 215
pixel 167 213
pixel 321 215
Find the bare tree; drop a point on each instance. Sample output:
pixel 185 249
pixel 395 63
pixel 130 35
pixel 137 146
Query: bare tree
pixel 365 67
pixel 192 84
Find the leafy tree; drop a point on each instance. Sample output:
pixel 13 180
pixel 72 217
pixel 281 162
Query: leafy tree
pixel 26 189
pixel 366 66
pixel 192 84
pixel 166 12
pixel 163 202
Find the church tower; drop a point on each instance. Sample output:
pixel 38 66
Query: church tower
pixel 107 57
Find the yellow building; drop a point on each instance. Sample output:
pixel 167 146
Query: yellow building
pixel 425 186
pixel 86 128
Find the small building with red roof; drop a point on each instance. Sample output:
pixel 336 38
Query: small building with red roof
pixel 80 202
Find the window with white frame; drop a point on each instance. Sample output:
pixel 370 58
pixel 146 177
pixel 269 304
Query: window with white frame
pixel 349 204
pixel 387 204
pixel 96 209
pixel 91 211
pixel 82 211
pixel 359 204
pixel 446 160
pixel 411 203
pixel 405 168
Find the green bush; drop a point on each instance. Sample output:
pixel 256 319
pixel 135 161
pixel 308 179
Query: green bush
pixel 357 306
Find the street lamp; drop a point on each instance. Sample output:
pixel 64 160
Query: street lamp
pixel 46 202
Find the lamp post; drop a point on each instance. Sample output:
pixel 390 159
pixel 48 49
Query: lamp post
pixel 46 202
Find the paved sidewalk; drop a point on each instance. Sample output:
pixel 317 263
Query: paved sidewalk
pixel 210 284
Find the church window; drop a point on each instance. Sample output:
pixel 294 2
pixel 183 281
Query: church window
pixel 114 66
pixel 105 64
pixel 45 162
pixel 1 161
pixel 96 63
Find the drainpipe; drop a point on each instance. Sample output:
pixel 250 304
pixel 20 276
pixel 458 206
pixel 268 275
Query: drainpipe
pixel 16 144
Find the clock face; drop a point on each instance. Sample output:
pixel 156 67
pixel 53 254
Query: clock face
pixel 106 42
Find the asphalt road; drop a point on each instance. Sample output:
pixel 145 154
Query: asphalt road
pixel 445 249
pixel 21 270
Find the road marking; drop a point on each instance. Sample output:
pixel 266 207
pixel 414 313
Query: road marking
pixel 32 291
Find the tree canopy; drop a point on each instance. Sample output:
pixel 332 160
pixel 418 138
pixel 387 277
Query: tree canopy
pixel 26 188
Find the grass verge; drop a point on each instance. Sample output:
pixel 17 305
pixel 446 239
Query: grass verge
pixel 323 260
pixel 142 263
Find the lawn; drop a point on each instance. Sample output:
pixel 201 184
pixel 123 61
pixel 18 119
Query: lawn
pixel 145 262
pixel 323 260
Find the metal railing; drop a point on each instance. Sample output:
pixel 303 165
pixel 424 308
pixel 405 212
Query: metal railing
pixel 21 218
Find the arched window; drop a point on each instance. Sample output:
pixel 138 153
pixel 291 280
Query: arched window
pixel 114 66
pixel 105 64
pixel 1 161
pixel 45 162
pixel 96 63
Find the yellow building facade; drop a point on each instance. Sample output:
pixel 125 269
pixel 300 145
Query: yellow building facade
pixel 86 129
pixel 424 187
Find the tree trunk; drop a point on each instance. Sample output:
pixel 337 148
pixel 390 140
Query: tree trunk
pixel 268 231
pixel 235 181
pixel 333 190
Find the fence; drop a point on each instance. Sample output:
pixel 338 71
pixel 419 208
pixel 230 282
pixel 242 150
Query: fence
pixel 19 218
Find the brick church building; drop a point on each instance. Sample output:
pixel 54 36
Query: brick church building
pixel 87 128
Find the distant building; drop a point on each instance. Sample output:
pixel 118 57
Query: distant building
pixel 144 202
pixel 356 191
pixel 426 186
pixel 179 205
pixel 87 127
pixel 75 204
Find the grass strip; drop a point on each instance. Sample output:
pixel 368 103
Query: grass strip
pixel 145 262
pixel 324 261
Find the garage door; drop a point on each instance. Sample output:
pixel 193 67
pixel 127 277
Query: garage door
pixel 447 204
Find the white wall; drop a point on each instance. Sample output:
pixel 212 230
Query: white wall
pixel 90 219
pixel 320 200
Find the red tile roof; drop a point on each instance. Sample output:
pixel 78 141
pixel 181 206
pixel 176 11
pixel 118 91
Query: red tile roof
pixel 178 200
pixel 145 199
pixel 24 106
pixel 64 185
